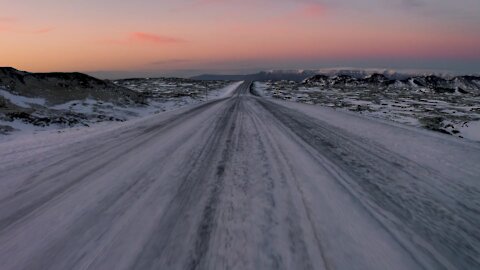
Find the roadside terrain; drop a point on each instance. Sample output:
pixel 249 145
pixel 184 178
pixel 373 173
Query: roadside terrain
pixel 241 182
pixel 56 102
pixel 33 102
pixel 447 105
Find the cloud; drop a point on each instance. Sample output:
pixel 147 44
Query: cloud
pixel 153 38
pixel 144 38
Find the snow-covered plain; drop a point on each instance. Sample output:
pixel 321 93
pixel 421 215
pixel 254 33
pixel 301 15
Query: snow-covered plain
pixel 241 182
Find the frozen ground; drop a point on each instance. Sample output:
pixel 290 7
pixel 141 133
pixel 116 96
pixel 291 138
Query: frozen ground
pixel 456 112
pixel 23 114
pixel 241 182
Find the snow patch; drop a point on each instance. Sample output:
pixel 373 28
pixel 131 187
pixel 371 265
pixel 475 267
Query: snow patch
pixel 471 130
pixel 21 101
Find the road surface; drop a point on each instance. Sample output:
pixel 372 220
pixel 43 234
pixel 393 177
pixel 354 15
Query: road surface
pixel 244 182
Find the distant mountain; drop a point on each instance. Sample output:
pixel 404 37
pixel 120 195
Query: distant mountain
pixel 260 76
pixel 364 73
pixel 57 88
pixel 300 75
pixel 342 78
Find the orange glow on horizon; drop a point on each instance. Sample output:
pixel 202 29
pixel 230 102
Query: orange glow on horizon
pixel 294 31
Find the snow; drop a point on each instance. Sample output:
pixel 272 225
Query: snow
pixel 441 112
pixel 471 130
pixel 228 90
pixel 93 108
pixel 54 136
pixel 436 150
pixel 21 101
pixel 260 88
pixel 35 141
pixel 266 184
pixel 79 106
pixel 19 125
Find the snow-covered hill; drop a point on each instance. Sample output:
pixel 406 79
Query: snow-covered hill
pixel 58 88
pixel 46 101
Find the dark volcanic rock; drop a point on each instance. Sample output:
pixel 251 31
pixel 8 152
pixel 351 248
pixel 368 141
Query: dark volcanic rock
pixel 434 124
pixel 432 83
pixel 318 80
pixel 378 79
pixel 42 121
pixel 5 130
pixel 342 80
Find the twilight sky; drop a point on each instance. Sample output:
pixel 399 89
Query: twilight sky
pixel 116 38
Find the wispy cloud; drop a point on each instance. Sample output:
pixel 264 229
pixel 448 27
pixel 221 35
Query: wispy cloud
pixel 145 38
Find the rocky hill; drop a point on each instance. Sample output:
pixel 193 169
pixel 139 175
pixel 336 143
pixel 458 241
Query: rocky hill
pixel 428 83
pixel 56 100
pixel 58 88
pixel 34 102
pixel 446 105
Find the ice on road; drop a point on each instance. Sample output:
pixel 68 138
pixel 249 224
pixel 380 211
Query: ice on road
pixel 243 182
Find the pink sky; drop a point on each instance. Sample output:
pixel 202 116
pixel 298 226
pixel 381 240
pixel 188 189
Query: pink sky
pixel 207 35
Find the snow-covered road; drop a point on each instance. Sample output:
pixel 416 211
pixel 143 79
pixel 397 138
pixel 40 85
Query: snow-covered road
pixel 243 182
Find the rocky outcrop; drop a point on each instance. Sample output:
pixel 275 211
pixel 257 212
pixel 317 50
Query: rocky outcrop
pixel 431 83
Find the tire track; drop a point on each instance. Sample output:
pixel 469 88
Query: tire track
pixel 194 183
pixel 393 184
pixel 29 199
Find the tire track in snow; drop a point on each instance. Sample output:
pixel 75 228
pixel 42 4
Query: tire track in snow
pixel 392 183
